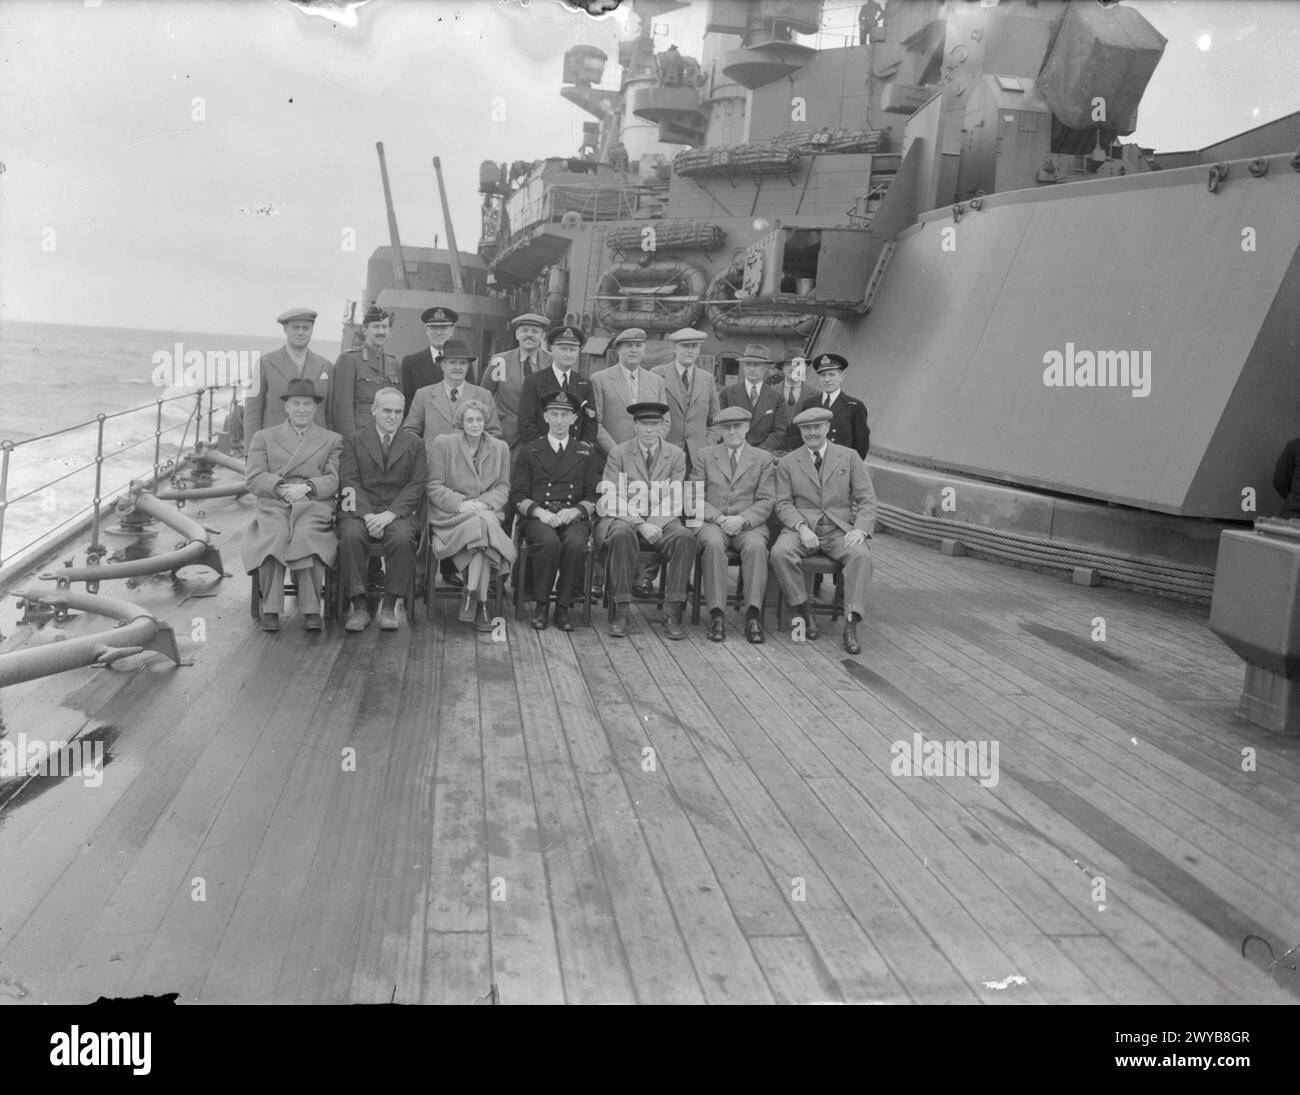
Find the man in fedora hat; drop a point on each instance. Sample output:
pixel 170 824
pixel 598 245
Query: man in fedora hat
pixel 383 473
pixel 826 504
pixel 794 390
pixel 421 369
pixel 433 412
pixel 293 468
pixel 360 373
pixel 553 489
pixel 691 395
pixel 739 493
pixel 848 415
pixel 292 361
pixel 564 343
pixel 763 401
pixel 504 374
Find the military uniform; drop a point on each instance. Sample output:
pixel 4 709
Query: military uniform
pixel 540 387
pixel 848 415
pixel 358 376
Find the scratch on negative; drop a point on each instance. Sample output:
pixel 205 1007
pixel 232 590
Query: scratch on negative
pixel 1013 979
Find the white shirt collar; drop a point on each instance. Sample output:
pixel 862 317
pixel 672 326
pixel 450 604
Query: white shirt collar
pixel 560 374
pixel 834 395
pixel 556 442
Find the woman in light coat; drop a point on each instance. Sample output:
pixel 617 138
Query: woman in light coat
pixel 469 482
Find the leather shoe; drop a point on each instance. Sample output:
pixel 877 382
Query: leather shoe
pixel 809 624
pixel 539 616
pixel 358 620
pixel 851 644
pixel 754 629
pixel 467 607
pixel 313 622
pixel 481 621
pixel 562 620
pixel 717 628
pixel 673 625
pixel 388 619
pixel 618 629
pixel 270 621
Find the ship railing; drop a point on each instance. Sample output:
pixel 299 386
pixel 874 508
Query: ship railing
pixel 169 452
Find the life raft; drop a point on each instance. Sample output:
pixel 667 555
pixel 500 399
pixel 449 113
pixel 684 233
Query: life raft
pixel 668 235
pixel 629 295
pixel 732 318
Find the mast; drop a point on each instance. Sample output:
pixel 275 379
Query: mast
pixel 399 261
pixel 457 275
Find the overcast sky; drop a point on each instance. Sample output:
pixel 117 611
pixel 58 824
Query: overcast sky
pixel 153 209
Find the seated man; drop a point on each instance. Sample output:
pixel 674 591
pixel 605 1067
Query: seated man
pixel 553 489
pixel 739 492
pixel 383 479
pixel 641 505
pixel 293 468
pixel 826 504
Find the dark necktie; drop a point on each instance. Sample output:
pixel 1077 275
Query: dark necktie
pixel 559 450
pixel 385 441
pixel 528 365
pixel 753 397
pixel 733 463
pixel 564 384
pixel 789 396
pixel 817 462
pixel 826 401
pixel 686 383
pixel 455 394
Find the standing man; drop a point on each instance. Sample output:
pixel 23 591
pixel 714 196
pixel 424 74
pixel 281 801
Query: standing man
pixel 422 369
pixel 383 475
pixel 825 503
pixel 692 397
pixel 618 387
pixel 793 391
pixel 503 376
pixel 848 415
pixel 564 344
pixel 360 373
pixel 638 510
pixel 433 411
pixel 739 493
pixel 761 400
pixel 553 489
pixel 293 361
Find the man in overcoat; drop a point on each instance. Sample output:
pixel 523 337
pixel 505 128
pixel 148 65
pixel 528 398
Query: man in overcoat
pixel 503 375
pixel 292 361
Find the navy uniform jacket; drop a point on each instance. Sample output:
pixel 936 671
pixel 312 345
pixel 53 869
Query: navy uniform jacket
pixel 538 388
pixel 419 370
pixel 848 424
pixel 542 478
pixel 358 375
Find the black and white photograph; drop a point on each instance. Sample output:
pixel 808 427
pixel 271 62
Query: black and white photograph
pixel 651 502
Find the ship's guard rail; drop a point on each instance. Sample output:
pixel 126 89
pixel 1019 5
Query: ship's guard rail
pixel 93 510
pixel 1160 575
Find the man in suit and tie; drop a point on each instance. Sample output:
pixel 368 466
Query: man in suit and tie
pixel 553 488
pixel 691 395
pixel 739 493
pixel 421 369
pixel 293 361
pixel 641 506
pixel 564 344
pixel 848 415
pixel 504 374
pixel 762 401
pixel 433 411
pixel 618 387
pixel 293 468
pixel 826 504
pixel 383 475
pixel 793 392
pixel 360 373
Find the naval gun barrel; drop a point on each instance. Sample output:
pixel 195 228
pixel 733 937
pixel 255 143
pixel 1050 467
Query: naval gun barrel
pixel 457 274
pixel 399 261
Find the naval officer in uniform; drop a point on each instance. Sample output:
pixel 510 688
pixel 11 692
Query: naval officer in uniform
pixel 360 373
pixel 504 374
pixel 553 489
pixel 564 344
pixel 848 415
pixel 826 504
pixel 421 369
pixel 293 361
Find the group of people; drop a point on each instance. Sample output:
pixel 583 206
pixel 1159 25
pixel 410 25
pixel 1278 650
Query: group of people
pixel 656 467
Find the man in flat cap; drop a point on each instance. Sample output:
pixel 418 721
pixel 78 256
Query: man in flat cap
pixel 564 344
pixel 618 387
pixel 761 400
pixel 293 468
pixel 421 369
pixel 293 361
pixel 826 504
pixel 691 395
pixel 383 474
pixel 739 493
pixel 642 492
pixel 848 415
pixel 360 373
pixel 434 410
pixel 793 392
pixel 503 376
pixel 553 489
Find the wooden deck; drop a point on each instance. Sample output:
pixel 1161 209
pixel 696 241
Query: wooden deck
pixel 574 818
